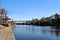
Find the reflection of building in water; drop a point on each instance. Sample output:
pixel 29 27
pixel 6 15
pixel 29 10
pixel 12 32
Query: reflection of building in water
pixel 56 31
pixel 52 31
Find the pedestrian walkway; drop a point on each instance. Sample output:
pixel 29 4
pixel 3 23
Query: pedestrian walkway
pixel 6 34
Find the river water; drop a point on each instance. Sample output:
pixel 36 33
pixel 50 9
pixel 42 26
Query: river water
pixel 29 32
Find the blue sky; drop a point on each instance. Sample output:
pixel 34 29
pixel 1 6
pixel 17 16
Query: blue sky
pixel 29 9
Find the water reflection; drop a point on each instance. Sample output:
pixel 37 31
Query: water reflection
pixel 29 32
pixel 56 30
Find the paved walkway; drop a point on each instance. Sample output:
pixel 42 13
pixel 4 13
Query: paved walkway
pixel 6 34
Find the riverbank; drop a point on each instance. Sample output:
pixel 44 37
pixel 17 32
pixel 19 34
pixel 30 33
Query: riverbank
pixel 6 33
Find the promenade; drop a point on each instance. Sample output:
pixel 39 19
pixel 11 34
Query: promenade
pixel 6 34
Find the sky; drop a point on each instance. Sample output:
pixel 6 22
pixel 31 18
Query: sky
pixel 29 9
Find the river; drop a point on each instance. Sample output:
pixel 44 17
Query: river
pixel 30 32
